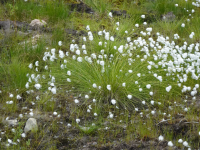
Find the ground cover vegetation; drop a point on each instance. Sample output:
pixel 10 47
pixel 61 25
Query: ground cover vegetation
pixel 101 74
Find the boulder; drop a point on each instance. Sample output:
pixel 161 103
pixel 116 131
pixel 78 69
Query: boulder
pixel 31 125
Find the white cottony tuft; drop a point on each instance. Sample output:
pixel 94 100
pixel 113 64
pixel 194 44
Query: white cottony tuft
pixel 38 86
pixel 148 86
pixel 53 90
pixel 180 141
pixel 160 138
pixel 76 101
pixel 60 43
pixel 170 144
pixel 37 63
pixel 30 66
pixel 55 113
pixel 168 88
pixel 129 96
pixel 113 101
pixel 87 27
pixel 78 120
pixel 109 87
pixel 110 14
pixel 185 143
pixel 94 85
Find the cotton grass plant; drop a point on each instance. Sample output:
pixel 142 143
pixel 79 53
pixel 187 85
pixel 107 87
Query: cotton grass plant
pixel 124 71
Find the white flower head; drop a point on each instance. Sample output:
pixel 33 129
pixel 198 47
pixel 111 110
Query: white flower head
pixel 84 38
pixel 76 101
pixel 53 90
pixel 31 113
pixel 168 88
pixel 91 38
pixel 160 138
pixel 69 73
pixel 10 141
pixel 86 96
pixel 124 84
pixel 60 43
pixel 19 97
pixel 30 66
pixel 55 113
pixel 113 101
pixel 79 59
pixel 185 109
pixel 78 120
pixel 87 27
pixel 149 29
pixel 109 87
pixel 38 86
pixel 153 112
pixel 129 96
pixel 152 102
pixel 110 14
pixel 183 25
pixel 130 71
pixel 185 143
pixel 170 144
pixel 11 95
pixel 180 141
pixel 111 115
pixel 37 63
pixel 148 86
pixel 94 85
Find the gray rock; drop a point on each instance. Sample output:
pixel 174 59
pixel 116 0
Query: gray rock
pixel 5 25
pixel 38 23
pixel 169 17
pixel 13 122
pixel 31 125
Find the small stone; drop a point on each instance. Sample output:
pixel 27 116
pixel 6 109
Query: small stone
pixel 31 125
pixel 38 23
pixel 10 122
pixel 169 17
